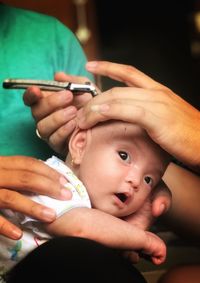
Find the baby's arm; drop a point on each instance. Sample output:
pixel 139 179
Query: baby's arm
pixel 108 230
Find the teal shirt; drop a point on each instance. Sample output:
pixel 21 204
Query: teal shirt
pixel 33 46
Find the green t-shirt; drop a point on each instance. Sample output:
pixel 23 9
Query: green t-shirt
pixel 33 46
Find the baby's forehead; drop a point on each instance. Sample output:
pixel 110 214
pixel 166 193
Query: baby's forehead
pixel 120 128
pixel 133 134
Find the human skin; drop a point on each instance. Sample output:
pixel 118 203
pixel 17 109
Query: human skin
pixel 187 273
pixel 55 117
pixel 184 186
pixel 24 168
pixel 147 103
pixel 169 120
pixel 55 124
pixel 120 166
pixel 55 112
pixel 157 104
pixel 117 157
pixel 20 173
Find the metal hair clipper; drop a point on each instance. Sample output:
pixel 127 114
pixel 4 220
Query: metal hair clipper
pixel 50 85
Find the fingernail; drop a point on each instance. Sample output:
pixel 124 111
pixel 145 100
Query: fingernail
pixel 91 65
pixel 66 194
pixel 162 208
pixel 49 214
pixel 63 181
pixel 100 108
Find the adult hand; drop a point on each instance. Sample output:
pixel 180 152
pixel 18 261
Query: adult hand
pixel 19 173
pixel 55 112
pixel 170 121
pixel 159 203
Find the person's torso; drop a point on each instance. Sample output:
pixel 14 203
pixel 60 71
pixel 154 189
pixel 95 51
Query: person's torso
pixel 32 46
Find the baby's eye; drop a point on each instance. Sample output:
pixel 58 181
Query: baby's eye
pixel 124 156
pixel 148 180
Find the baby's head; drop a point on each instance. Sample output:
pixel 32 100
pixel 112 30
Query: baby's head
pixel 118 163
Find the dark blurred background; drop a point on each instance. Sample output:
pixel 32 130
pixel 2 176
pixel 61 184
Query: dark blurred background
pixel 154 36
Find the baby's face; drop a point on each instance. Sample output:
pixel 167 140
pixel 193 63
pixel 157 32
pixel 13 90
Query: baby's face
pixel 120 167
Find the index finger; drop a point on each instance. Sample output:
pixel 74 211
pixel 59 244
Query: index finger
pixel 123 73
pixel 63 77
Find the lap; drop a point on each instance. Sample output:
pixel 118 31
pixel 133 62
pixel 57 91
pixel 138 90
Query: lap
pixel 68 258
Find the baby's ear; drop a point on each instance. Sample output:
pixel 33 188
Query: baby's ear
pixel 77 145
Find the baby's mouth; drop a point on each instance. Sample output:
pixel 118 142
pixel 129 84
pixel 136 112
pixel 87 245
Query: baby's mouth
pixel 122 197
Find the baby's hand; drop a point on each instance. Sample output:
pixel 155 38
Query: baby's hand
pixel 155 248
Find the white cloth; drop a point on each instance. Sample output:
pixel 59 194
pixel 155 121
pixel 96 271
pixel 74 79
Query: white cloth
pixel 33 234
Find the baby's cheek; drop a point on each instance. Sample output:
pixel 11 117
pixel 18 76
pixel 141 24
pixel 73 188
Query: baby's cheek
pixel 145 196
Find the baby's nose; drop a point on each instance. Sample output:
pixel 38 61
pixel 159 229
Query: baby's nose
pixel 134 178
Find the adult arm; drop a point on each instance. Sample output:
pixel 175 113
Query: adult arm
pixel 170 121
pixel 183 216
pixel 108 230
pixel 20 173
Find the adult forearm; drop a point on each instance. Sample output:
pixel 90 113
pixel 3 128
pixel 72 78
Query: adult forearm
pixel 183 217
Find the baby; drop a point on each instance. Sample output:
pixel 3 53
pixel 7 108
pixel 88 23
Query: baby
pixel 119 166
